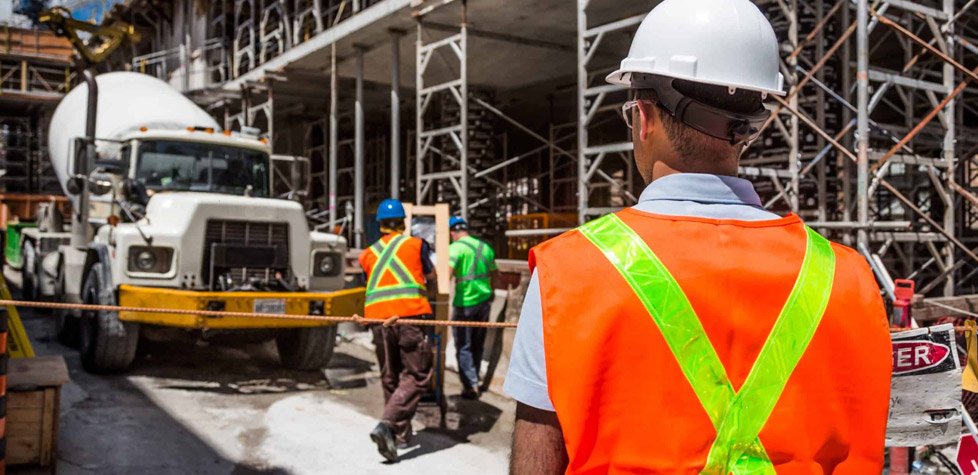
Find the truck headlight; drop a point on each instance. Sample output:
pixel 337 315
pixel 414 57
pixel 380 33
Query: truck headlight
pixel 148 259
pixel 326 264
pixel 145 261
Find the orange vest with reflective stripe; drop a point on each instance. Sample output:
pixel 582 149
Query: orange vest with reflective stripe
pixel 399 288
pixel 625 405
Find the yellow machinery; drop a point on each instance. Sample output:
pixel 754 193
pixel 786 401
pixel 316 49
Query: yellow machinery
pixel 104 38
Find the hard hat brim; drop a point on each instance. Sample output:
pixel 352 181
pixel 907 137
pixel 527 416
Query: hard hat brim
pixel 623 77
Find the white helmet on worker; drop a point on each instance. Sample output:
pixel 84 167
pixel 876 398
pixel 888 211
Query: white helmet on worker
pixel 726 43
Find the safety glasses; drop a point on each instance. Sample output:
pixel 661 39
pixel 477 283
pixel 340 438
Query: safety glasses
pixel 626 110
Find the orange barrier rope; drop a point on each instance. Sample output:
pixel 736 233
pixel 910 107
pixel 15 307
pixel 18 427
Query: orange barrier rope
pixel 277 316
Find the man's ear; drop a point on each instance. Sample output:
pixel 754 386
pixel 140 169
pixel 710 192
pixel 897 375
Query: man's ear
pixel 649 119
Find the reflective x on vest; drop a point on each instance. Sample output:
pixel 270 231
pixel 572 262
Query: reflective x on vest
pixel 388 261
pixel 471 274
pixel 738 417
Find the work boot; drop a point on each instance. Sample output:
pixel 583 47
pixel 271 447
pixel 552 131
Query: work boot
pixel 470 393
pixel 382 436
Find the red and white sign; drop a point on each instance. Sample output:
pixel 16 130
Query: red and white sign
pixel 917 355
pixel 967 456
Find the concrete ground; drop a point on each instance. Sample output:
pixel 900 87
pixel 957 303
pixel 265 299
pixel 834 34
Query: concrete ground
pixel 188 407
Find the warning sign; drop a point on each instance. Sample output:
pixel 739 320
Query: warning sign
pixel 925 392
pixel 922 356
pixel 967 456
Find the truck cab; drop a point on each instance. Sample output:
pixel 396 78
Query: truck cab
pixel 185 220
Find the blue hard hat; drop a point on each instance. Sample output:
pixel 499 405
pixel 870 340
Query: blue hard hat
pixel 457 221
pixel 390 209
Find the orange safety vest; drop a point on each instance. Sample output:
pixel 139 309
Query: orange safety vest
pixel 625 402
pixel 395 278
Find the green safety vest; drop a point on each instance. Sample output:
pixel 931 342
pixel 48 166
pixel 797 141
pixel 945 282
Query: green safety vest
pixel 737 416
pixel 473 261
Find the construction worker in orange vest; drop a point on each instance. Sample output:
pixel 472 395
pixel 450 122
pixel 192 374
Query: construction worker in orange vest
pixel 696 332
pixel 396 268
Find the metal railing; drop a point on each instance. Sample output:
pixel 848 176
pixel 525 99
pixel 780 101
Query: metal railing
pixel 202 68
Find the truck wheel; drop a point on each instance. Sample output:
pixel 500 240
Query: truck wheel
pixel 107 343
pixel 67 328
pixel 306 348
pixel 29 287
pixel 66 324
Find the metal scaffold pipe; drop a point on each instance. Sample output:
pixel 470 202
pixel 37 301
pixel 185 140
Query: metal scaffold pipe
pixel 862 126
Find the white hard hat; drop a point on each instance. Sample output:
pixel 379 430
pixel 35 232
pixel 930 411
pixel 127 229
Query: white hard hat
pixel 720 42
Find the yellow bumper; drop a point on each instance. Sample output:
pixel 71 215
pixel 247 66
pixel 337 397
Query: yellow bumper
pixel 339 303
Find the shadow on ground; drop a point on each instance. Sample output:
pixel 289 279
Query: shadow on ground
pixel 108 426
pixel 463 419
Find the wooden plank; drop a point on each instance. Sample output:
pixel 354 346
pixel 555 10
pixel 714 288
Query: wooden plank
pixel 54 430
pixel 49 414
pixel 29 42
pixel 23 443
pixel 26 415
pixel 25 400
pixel 929 310
pixel 38 372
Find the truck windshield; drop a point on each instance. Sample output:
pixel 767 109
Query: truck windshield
pixel 195 166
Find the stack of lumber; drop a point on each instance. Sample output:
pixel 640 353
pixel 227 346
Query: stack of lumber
pixel 32 43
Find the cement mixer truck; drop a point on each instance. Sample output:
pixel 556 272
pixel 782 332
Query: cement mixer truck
pixel 169 211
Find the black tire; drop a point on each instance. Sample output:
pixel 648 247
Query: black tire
pixel 29 288
pixel 107 344
pixel 306 349
pixel 67 328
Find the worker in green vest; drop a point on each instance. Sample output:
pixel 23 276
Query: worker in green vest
pixel 474 269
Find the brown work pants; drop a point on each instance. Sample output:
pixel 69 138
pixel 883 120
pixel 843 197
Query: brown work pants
pixel 405 359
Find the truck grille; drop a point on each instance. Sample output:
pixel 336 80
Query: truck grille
pixel 269 241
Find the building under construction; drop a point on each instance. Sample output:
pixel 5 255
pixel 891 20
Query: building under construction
pixel 500 108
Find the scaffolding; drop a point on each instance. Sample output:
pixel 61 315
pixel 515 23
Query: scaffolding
pixel 874 143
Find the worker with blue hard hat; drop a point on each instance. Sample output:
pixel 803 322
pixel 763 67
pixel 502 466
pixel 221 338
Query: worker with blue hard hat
pixel 390 209
pixel 474 270
pixel 395 268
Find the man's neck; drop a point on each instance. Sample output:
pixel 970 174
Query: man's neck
pixel 662 168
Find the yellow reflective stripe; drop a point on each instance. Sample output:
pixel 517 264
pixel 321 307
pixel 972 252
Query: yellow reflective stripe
pixel 390 262
pixel 669 308
pixel 395 293
pixel 787 342
pixel 738 417
pixel 390 249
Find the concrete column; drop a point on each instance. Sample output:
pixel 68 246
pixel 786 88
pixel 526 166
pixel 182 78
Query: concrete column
pixel 396 114
pixel 358 156
pixel 333 131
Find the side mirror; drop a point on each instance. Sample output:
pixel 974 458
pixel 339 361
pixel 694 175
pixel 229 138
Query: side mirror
pixel 135 191
pixel 100 184
pixel 75 184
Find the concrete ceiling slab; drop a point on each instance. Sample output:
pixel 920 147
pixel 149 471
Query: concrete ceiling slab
pixel 512 43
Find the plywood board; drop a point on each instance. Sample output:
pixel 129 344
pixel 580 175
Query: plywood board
pixel 38 372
